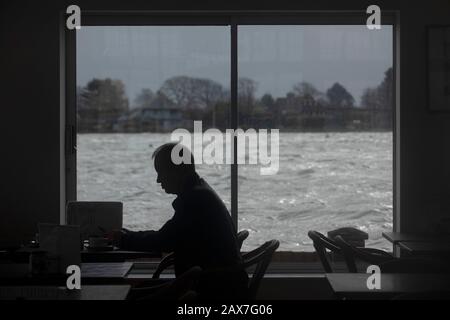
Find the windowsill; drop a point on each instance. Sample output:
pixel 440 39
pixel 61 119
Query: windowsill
pixel 274 270
pixel 295 256
pixel 284 264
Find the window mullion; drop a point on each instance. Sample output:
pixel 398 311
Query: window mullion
pixel 234 120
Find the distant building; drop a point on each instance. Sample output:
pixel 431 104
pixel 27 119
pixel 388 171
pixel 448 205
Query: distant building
pixel 151 119
pixel 160 115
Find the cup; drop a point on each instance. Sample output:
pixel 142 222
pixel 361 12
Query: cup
pixel 95 242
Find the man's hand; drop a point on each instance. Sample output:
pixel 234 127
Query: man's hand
pixel 116 237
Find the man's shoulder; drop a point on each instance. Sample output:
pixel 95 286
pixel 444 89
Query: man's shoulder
pixel 203 194
pixel 203 190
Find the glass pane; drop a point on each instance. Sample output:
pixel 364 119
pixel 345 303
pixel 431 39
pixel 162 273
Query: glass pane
pixel 328 89
pixel 135 86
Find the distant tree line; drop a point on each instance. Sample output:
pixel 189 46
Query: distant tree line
pixel 99 104
pixel 104 107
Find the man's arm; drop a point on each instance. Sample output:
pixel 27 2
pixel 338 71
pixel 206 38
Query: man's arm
pixel 159 241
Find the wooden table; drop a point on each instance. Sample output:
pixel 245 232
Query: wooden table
pixel 109 270
pixel 418 248
pixel 91 273
pixel 22 255
pixel 354 285
pixel 396 237
pixel 88 292
pixel 116 255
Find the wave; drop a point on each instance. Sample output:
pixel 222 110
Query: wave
pixel 305 172
pixel 332 183
pixel 295 214
pixel 362 214
pixel 326 160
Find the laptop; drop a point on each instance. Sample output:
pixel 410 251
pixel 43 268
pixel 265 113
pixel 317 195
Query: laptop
pixel 95 218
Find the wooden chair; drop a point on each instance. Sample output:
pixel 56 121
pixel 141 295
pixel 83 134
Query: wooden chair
pixel 182 288
pixel 254 262
pixel 241 236
pixel 321 244
pixel 368 255
pixel 259 258
pixel 387 262
pixel 169 260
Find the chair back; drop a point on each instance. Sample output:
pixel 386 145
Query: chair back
pixel 169 260
pixel 241 236
pixel 95 218
pixel 260 258
pixel 166 262
pixel 368 255
pixel 321 243
pixel 181 288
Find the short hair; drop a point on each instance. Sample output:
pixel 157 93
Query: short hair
pixel 164 154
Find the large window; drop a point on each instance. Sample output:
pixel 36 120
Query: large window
pixel 135 86
pixel 328 89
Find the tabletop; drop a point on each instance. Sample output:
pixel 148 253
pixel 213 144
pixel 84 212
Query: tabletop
pixel 396 237
pixel 425 248
pixel 87 292
pixel 354 285
pixel 105 269
pixel 115 255
pixel 91 273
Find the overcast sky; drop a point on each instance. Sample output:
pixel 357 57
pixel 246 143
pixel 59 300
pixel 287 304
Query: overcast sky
pixel 276 57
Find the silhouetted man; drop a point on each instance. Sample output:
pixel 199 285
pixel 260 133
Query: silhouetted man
pixel 201 232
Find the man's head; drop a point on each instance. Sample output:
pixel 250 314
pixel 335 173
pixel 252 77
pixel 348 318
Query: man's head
pixel 171 175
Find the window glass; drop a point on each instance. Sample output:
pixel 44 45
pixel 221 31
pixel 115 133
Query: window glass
pixel 135 85
pixel 328 89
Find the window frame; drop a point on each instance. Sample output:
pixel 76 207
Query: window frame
pixel 233 19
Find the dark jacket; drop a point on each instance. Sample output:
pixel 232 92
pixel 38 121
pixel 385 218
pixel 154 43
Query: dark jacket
pixel 201 232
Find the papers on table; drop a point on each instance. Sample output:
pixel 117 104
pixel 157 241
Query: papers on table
pixel 95 218
pixel 105 270
pixel 62 243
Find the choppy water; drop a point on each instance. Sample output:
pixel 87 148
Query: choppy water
pixel 325 181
